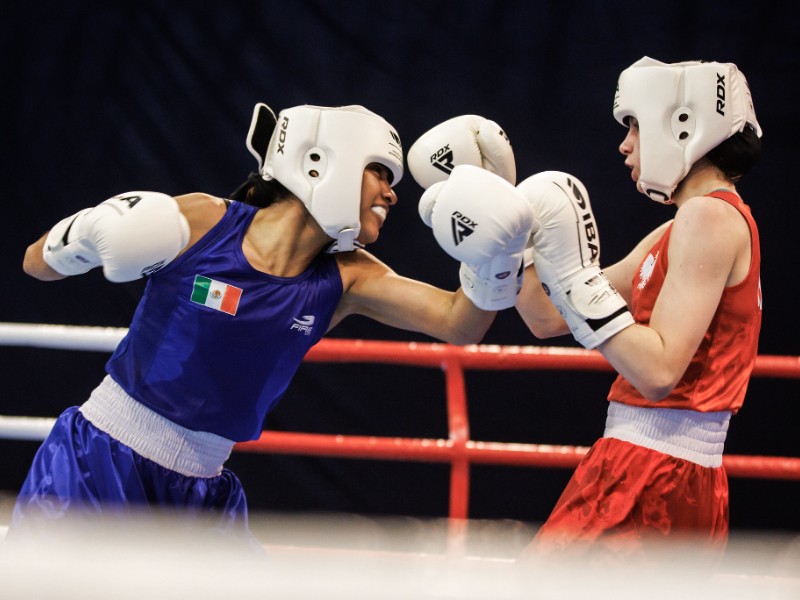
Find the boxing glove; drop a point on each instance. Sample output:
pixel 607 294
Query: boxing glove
pixel 566 252
pixel 482 221
pixel 464 140
pixel 131 235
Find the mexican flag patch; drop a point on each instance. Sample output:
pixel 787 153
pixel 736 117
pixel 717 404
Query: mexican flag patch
pixel 215 294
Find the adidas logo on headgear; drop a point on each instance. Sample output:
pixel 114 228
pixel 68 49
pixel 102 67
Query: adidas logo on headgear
pixel 442 159
pixel 461 226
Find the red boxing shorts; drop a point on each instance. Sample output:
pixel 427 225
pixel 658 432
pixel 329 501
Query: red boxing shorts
pixel 623 496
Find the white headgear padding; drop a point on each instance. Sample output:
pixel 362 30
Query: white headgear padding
pixel 319 154
pixel 684 110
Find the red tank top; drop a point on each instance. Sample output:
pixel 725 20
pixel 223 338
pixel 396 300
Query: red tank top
pixel 717 377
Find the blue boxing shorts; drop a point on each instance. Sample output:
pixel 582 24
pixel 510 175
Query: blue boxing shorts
pixel 80 471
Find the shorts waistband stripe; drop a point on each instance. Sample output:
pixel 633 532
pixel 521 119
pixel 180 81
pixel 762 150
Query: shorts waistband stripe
pixel 191 453
pixel 688 434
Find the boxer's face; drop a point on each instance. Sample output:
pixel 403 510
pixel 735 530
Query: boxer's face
pixel 377 196
pixel 629 148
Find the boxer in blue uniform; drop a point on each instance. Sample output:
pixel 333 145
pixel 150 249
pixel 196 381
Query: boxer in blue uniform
pixel 238 291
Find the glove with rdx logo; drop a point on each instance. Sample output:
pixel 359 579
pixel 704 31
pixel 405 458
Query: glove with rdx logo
pixel 480 219
pixel 464 140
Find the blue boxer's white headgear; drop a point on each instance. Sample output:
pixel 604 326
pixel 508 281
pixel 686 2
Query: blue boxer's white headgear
pixel 684 110
pixel 319 154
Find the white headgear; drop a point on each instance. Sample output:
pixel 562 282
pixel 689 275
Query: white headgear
pixel 319 154
pixel 684 110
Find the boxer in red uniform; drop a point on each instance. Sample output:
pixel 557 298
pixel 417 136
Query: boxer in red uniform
pixel 678 317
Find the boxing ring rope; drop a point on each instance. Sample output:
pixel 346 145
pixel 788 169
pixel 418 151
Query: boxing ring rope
pixel 458 449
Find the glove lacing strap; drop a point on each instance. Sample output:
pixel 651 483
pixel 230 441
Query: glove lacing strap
pixel 688 434
pixel 190 453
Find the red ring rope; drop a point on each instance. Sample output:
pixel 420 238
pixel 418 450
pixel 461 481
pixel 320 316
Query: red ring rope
pixel 458 449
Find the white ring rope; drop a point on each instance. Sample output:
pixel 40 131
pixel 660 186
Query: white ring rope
pixel 25 428
pixel 61 337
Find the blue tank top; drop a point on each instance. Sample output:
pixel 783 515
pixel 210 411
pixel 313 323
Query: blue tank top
pixel 214 343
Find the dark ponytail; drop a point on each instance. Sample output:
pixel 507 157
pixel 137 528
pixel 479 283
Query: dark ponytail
pixel 736 155
pixel 259 192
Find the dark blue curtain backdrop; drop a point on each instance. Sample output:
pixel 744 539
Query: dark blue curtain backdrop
pixel 104 97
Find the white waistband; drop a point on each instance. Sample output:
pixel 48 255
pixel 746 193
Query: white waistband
pixel 191 453
pixel 688 434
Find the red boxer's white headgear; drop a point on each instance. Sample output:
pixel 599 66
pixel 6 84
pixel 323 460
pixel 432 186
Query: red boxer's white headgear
pixel 684 110
pixel 319 154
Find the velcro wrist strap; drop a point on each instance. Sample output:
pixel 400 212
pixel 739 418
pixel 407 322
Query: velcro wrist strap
pixel 592 307
pixel 603 312
pixel 489 294
pixel 67 250
pixel 590 333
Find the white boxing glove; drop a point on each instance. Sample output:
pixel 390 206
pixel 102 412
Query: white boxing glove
pixel 566 252
pixel 480 219
pixel 464 140
pixel 131 235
